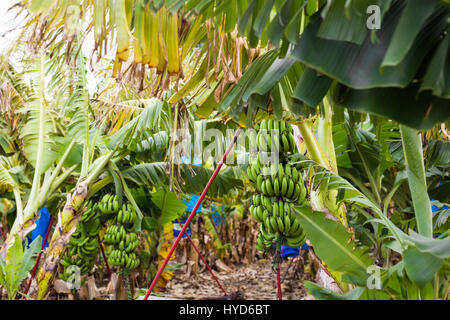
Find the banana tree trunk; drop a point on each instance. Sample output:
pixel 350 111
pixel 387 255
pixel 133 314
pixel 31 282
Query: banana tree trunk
pixel 67 222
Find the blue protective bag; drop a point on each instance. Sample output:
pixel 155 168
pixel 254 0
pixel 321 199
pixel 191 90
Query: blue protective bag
pixel 217 218
pixel 41 226
pixel 177 228
pixel 292 252
pixel 434 209
pixel 192 202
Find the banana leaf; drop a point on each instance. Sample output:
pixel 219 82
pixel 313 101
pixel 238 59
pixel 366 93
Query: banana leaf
pixel 332 243
pixel 408 106
pixel 359 66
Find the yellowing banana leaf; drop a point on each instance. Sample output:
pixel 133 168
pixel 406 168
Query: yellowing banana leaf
pixel 99 19
pixel 196 33
pixel 40 6
pixel 139 34
pixel 173 59
pixel 161 41
pixel 122 29
pixel 208 106
pixel 150 37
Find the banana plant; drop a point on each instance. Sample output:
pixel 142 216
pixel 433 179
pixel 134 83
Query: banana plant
pixel 96 164
pixel 422 268
pixel 36 136
pixel 17 264
pixel 151 36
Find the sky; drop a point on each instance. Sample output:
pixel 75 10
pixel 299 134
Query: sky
pixel 8 36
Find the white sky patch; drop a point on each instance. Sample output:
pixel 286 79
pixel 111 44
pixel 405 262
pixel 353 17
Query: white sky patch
pixel 8 22
pixel 10 31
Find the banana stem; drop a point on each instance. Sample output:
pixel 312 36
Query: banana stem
pixel 58 243
pixel 317 154
pixel 325 136
pixel 172 160
pixel 314 150
pixel 66 223
pixel 412 149
pixel 100 167
pixel 48 182
pixel 126 283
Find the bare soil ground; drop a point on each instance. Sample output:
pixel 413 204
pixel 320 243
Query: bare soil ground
pixel 255 281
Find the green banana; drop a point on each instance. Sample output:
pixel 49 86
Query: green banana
pixel 290 190
pixel 263 187
pixel 280 224
pixel 265 214
pixel 287 224
pixel 295 174
pixel 259 213
pixel 285 143
pixel 276 187
pixel 269 187
pixel 276 212
pixel 297 191
pixel 284 186
pixel 274 224
pixel 291 141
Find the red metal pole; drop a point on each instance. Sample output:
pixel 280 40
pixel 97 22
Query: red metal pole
pixel 33 272
pixel 104 256
pixel 177 240
pixel 279 283
pixel 204 261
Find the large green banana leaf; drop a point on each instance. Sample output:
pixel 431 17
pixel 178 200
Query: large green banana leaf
pixel 332 243
pixel 408 106
pixel 195 178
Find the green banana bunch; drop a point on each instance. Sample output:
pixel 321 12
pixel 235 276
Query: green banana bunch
pixel 278 187
pixel 109 204
pixel 265 239
pixel 114 234
pixel 90 213
pixel 275 136
pixel 120 258
pixel 123 243
pixel 287 182
pixel 83 244
pixel 127 215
